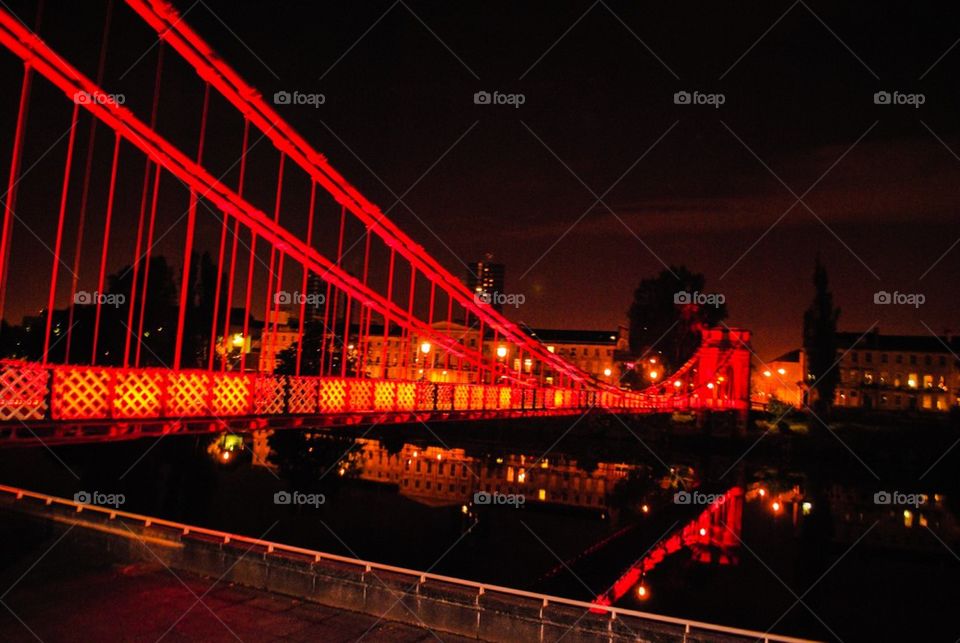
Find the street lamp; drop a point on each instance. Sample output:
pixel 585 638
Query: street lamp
pixel 501 351
pixel 425 348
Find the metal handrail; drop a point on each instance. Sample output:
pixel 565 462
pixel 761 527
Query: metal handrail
pixel 369 566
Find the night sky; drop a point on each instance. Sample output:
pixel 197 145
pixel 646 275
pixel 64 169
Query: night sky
pixel 708 187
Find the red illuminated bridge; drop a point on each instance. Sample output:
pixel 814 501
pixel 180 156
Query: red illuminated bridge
pixel 398 338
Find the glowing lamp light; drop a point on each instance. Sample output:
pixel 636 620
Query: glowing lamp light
pixel 237 340
pixel 912 383
pixel 501 351
pixel 782 371
pixel 425 348
pixel 463 509
pixel 521 477
pixel 703 531
pixel 762 492
pixel 775 506
pixel 342 471
pixel 654 375
pixel 807 508
pixel 642 592
pixel 439 456
pixel 645 509
pixel 225 455
pixel 767 373
pixel 710 385
pixel 607 372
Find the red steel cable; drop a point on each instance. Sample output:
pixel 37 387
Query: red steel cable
pixel 106 244
pixel 59 241
pixel 11 196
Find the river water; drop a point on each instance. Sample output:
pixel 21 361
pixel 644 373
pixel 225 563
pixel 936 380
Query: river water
pixel 796 550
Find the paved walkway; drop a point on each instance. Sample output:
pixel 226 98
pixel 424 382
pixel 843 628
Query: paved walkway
pixel 63 599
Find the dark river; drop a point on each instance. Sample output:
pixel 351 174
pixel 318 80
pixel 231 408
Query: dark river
pixel 805 546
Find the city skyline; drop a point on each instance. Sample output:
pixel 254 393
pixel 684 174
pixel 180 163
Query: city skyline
pixel 711 187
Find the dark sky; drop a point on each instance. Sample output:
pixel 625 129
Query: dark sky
pixel 691 184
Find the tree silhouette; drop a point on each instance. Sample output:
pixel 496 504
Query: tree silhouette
pixel 820 343
pixel 659 322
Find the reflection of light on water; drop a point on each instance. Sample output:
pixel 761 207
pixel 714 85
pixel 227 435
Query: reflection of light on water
pixel 225 447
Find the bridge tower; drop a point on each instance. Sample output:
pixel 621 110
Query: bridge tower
pixel 723 373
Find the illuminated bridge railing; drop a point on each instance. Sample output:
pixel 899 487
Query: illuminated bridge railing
pixel 31 392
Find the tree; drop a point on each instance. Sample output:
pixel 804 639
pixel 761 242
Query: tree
pixel 309 359
pixel 668 313
pixel 820 343
pixel 160 313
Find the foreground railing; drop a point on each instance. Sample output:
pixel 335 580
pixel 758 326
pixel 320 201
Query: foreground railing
pixel 695 630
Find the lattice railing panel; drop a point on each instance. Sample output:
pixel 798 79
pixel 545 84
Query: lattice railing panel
pixel 82 393
pixel 461 397
pixel 302 394
pixel 476 398
pixel 232 395
pixel 406 396
pixel 361 395
pixel 424 396
pixel 139 394
pixel 444 397
pixel 268 395
pixel 384 395
pixel 491 395
pixel 333 396
pixel 187 394
pixel 23 392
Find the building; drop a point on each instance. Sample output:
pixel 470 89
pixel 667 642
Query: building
pixel 593 351
pixel 485 281
pixel 897 372
pixel 780 379
pixel 273 342
pixel 315 298
pixel 436 476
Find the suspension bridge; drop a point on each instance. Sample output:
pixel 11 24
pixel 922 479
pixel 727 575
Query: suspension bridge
pixel 116 354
